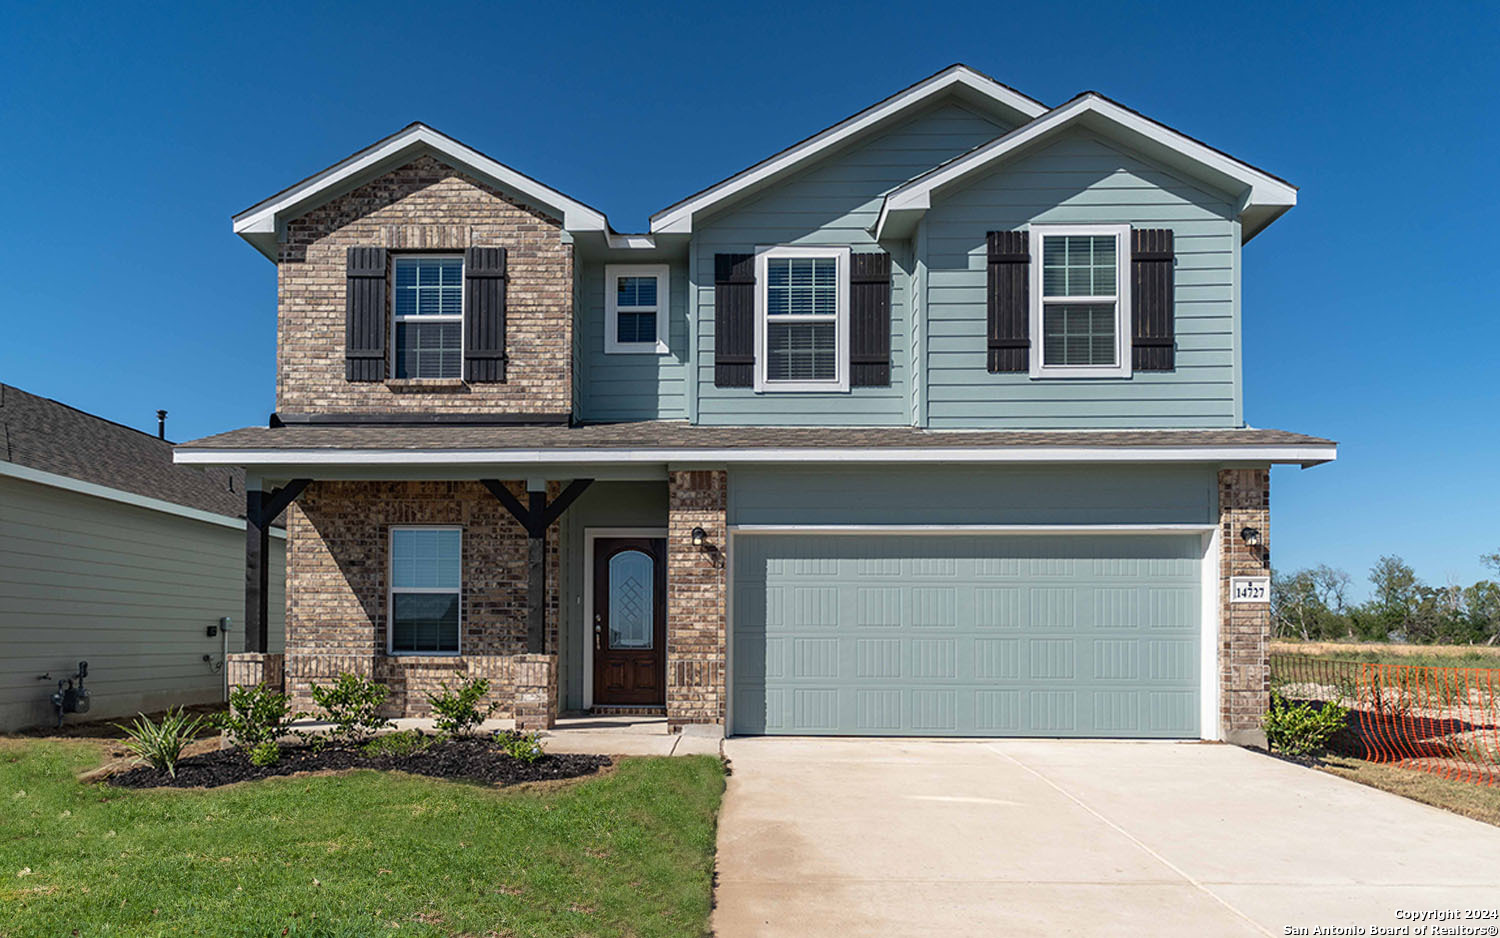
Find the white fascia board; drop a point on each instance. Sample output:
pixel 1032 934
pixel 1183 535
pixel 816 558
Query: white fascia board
pixel 678 218
pixel 266 218
pixel 70 484
pixel 1259 190
pixel 1305 455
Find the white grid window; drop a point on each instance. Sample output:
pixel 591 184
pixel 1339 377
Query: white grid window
pixel 802 321
pixel 426 590
pixel 635 308
pixel 1080 301
pixel 429 317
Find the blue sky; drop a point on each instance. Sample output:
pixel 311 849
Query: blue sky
pixel 1372 310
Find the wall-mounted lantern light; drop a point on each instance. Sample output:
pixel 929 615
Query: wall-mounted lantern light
pixel 700 537
pixel 1251 537
pixel 700 540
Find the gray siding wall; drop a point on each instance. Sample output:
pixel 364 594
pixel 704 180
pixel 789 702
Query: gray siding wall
pixel 834 203
pixel 604 505
pixel 1081 179
pixel 916 495
pixel 629 387
pixel 129 590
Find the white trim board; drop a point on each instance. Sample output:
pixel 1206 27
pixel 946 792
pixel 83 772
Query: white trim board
pixel 1302 454
pixel 1264 197
pixel 589 536
pixel 678 217
pixel 262 223
pixel 70 484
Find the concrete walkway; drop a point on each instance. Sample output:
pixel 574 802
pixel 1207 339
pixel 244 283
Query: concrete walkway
pixel 1042 837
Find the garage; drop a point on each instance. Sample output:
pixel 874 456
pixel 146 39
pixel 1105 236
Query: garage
pixel 967 634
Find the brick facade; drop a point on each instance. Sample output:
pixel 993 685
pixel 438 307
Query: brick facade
pixel 1244 628
pixel 425 205
pixel 338 540
pixel 696 597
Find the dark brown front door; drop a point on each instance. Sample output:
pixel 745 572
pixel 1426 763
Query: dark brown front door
pixel 630 621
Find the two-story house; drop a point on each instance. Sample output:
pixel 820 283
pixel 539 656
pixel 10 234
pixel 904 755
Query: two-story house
pixel 929 424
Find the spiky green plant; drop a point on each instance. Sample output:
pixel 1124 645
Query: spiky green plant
pixel 160 744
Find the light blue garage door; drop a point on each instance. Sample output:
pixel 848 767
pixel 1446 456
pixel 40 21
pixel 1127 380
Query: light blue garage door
pixel 966 635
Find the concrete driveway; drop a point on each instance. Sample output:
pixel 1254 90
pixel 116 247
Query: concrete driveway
pixel 1043 837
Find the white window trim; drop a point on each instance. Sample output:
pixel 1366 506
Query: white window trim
pixel 841 320
pixel 612 344
pixel 390 590
pixel 463 299
pixel 1121 368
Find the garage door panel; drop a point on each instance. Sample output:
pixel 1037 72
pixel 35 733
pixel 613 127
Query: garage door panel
pixel 966 635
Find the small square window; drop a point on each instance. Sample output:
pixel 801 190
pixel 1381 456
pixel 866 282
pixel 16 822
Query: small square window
pixel 635 308
pixel 429 317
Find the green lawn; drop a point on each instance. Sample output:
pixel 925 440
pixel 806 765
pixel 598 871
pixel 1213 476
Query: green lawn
pixel 630 853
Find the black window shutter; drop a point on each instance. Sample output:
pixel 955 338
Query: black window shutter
pixel 484 314
pixel 364 314
pixel 1152 300
pixel 1009 314
pixel 734 320
pixel 870 320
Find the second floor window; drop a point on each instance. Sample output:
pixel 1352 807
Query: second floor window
pixel 635 308
pixel 802 322
pixel 429 317
pixel 1081 299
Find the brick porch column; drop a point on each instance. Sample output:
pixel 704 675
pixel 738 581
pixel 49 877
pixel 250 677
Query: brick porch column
pixel 536 692
pixel 1244 628
pixel 249 668
pixel 696 594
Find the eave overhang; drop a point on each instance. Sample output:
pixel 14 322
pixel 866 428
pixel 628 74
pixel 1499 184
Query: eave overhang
pixel 264 223
pixel 1262 197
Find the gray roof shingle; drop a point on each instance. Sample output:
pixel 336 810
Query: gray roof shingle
pixel 675 435
pixel 43 434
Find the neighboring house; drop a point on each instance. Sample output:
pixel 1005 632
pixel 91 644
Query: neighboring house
pixel 111 554
pixel 931 423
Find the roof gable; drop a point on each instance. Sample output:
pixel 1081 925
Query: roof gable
pixel 1262 196
pixel 261 224
pixel 959 80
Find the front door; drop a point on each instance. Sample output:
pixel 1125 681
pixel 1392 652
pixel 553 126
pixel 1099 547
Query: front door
pixel 630 621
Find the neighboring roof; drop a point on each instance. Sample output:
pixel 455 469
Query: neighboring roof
pixel 260 223
pixel 1263 197
pixel 665 441
pixel 1017 107
pixel 52 438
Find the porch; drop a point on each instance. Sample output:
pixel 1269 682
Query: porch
pixel 568 596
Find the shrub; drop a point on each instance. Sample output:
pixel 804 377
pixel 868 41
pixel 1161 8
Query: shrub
pixel 457 711
pixel 256 715
pixel 400 743
pixel 1301 730
pixel 352 705
pixel 160 744
pixel 525 747
pixel 265 753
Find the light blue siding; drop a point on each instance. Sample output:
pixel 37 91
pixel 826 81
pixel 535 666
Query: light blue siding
pixel 630 387
pixel 834 203
pixel 917 495
pixel 1081 179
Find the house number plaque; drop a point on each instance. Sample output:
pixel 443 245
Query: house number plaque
pixel 1250 589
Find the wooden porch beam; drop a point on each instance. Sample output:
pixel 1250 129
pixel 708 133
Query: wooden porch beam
pixel 261 510
pixel 536 517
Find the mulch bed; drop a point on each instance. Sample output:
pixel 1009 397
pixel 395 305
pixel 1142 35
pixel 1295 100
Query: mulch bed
pixel 469 759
